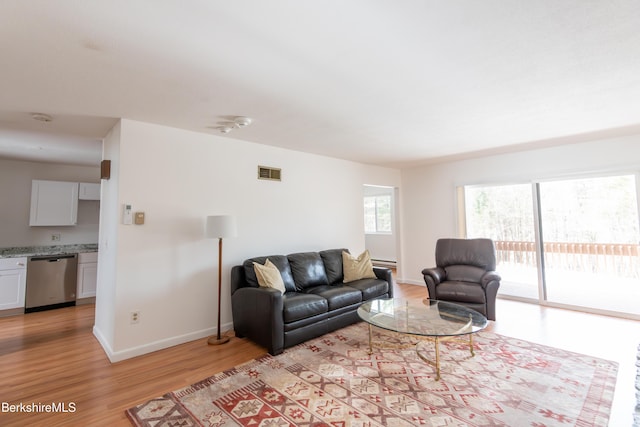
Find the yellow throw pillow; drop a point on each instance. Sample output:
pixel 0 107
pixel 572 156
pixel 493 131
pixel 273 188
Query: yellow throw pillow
pixel 269 276
pixel 356 268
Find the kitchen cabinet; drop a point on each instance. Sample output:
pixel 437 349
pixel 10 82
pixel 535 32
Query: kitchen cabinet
pixel 87 274
pixel 89 191
pixel 53 203
pixel 13 281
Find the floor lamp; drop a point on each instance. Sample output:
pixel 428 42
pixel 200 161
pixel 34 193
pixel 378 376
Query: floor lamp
pixel 219 227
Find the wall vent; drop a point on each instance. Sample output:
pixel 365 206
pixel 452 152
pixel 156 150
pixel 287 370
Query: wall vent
pixel 266 172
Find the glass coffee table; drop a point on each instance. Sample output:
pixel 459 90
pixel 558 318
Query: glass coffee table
pixel 431 319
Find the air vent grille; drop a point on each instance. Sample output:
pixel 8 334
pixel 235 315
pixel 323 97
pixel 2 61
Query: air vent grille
pixel 266 172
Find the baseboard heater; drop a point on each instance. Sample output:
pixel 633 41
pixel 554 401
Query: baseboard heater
pixel 384 263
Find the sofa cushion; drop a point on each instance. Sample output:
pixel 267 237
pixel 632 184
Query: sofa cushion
pixel 370 288
pixel 279 261
pixel 307 269
pixel 337 296
pixel 464 273
pixel 460 292
pixel 297 305
pixel 332 259
pixel 356 268
pixel 269 276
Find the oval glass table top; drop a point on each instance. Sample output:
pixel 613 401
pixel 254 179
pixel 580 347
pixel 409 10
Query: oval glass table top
pixel 422 317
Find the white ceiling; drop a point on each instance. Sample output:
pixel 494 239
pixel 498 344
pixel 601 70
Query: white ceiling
pixel 381 82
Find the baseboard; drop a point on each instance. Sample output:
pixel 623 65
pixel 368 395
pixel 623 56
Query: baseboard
pixel 118 356
pixel 410 282
pixel 84 301
pixel 11 312
pixel 383 263
pixel 103 342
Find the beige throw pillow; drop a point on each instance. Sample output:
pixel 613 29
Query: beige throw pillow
pixel 269 276
pixel 356 268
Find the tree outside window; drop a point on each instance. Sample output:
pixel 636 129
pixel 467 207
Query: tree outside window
pixel 377 214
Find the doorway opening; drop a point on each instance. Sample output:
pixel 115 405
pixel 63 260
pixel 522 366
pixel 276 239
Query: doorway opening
pixel 380 224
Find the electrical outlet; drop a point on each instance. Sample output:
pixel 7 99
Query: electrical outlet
pixel 134 317
pixel 55 237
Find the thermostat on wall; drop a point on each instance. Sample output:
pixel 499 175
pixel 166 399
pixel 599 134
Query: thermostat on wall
pixel 127 215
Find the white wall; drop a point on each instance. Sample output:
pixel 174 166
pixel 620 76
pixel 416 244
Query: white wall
pixel 105 315
pixel 429 207
pixel 381 246
pixel 166 269
pixel 15 193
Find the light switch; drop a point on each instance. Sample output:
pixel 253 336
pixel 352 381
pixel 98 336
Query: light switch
pixel 139 218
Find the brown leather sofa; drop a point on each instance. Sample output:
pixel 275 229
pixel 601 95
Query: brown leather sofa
pixel 316 300
pixel 465 274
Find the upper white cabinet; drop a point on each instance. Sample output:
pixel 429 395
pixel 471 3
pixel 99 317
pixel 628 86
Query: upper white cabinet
pixel 53 203
pixel 89 191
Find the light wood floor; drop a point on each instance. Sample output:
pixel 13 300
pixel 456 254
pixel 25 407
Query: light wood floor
pixel 52 357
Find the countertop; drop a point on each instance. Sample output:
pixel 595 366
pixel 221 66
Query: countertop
pixel 28 251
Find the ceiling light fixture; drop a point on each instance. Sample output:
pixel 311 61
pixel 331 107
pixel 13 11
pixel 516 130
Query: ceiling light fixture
pixel 41 117
pixel 237 123
pixel 225 127
pixel 242 121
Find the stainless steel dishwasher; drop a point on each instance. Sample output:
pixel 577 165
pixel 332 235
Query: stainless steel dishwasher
pixel 51 282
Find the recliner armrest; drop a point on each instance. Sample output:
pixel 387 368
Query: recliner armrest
pixel 489 277
pixel 432 278
pixel 437 274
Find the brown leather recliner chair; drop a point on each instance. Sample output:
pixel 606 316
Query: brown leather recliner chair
pixel 465 274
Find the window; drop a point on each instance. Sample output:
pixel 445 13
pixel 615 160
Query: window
pixel 377 214
pixel 504 213
pixel 570 242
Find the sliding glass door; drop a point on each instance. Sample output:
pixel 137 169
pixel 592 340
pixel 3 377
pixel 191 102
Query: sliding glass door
pixel 590 238
pixel 567 242
pixel 504 213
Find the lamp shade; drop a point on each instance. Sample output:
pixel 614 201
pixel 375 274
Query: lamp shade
pixel 219 226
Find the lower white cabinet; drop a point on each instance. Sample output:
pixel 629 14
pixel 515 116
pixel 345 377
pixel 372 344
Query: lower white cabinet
pixel 13 282
pixel 87 274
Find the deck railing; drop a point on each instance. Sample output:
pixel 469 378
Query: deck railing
pixel 612 258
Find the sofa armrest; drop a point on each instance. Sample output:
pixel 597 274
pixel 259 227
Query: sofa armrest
pixel 384 273
pixel 488 277
pixel 258 315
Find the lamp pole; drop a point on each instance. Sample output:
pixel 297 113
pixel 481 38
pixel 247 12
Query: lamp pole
pixel 219 340
pixel 220 226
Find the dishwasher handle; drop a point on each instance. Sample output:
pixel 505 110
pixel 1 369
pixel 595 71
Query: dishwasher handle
pixel 54 258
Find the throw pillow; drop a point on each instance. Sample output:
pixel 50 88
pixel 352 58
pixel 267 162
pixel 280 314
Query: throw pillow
pixel 269 276
pixel 356 268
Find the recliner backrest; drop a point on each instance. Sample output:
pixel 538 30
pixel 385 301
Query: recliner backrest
pixel 480 253
pixel 464 273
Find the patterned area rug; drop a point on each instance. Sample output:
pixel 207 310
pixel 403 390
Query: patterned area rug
pixel 636 415
pixel 333 381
